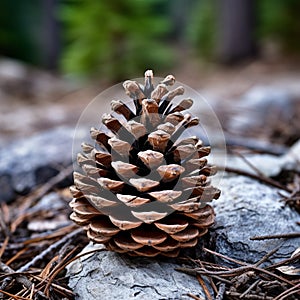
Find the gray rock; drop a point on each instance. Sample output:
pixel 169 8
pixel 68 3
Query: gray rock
pixel 291 160
pixel 247 208
pixel 7 191
pixel 107 275
pixel 50 201
pixel 258 106
pixel 269 165
pixel 31 161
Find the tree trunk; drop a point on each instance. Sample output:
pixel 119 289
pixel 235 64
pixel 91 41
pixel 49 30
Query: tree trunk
pixel 50 35
pixel 236 24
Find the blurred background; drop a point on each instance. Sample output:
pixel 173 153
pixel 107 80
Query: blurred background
pixel 57 55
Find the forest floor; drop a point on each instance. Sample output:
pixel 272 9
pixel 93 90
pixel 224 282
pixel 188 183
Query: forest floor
pixel 33 100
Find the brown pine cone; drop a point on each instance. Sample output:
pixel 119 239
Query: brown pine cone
pixel 143 189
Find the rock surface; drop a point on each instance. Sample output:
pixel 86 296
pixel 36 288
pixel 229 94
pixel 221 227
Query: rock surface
pixel 32 161
pixel 268 165
pixel 256 106
pixel 107 275
pixel 291 160
pixel 248 208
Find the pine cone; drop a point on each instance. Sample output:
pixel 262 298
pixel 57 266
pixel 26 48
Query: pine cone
pixel 144 189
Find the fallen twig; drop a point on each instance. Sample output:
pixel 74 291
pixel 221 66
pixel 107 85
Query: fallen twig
pixel 247 281
pixel 221 292
pixel 248 297
pixel 255 144
pixel 204 287
pixel 49 185
pixel 276 236
pixel 194 296
pixel 250 288
pixel 18 277
pixel 293 290
pixel 50 249
pixel 254 168
pixel 263 179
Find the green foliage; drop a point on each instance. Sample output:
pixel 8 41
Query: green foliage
pixel 18 34
pixel 114 38
pixel 202 30
pixel 280 20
